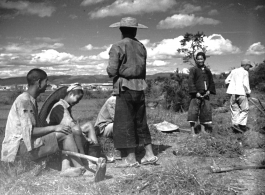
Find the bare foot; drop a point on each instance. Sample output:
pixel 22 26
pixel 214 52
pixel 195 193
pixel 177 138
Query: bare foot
pixel 72 172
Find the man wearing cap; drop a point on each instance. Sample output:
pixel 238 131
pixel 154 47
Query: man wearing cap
pixel 238 87
pixel 127 67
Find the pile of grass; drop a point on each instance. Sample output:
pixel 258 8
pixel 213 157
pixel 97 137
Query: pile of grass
pixel 207 145
pixel 175 179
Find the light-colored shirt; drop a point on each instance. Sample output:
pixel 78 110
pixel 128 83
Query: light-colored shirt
pixel 238 81
pixel 22 118
pixel 106 114
pixel 61 114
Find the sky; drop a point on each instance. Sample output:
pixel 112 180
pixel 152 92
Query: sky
pixel 72 37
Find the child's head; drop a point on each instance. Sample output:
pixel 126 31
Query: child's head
pixel 74 94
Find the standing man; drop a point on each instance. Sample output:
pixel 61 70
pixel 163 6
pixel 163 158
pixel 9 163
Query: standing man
pixel 127 67
pixel 24 136
pixel 238 81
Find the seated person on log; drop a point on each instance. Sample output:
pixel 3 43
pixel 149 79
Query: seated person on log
pixel 23 136
pixel 104 123
pixel 61 114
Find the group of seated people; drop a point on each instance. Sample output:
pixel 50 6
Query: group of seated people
pixel 25 137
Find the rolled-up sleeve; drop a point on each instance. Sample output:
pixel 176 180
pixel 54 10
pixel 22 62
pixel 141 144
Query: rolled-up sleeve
pixel 114 61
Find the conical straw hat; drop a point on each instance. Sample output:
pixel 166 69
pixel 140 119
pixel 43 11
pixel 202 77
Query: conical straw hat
pixel 49 102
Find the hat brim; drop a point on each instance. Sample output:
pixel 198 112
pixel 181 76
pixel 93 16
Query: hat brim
pixel 118 24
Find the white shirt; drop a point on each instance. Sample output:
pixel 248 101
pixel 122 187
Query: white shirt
pixel 22 118
pixel 238 82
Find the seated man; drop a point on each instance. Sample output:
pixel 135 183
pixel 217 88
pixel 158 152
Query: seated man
pixel 23 136
pixel 104 122
pixel 105 119
pixel 61 114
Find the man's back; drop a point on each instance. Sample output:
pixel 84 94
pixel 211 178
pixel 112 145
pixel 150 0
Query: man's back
pixel 238 82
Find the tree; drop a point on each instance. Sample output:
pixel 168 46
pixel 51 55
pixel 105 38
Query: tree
pixel 196 41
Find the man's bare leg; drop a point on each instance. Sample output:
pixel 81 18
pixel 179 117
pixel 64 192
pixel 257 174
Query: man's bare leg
pixel 203 129
pixel 192 126
pixel 89 130
pixel 149 154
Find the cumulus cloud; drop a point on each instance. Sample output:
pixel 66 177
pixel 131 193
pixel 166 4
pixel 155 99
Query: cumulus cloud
pixel 259 7
pixel 159 63
pixel 256 49
pixel 183 20
pixel 125 7
pixel 73 16
pixel 213 12
pixel 165 49
pixel 28 48
pixel 28 8
pixel 88 47
pixel 90 2
pixel 217 45
pixel 52 56
pixel 91 47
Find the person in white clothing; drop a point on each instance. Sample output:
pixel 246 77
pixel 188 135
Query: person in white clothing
pixel 238 87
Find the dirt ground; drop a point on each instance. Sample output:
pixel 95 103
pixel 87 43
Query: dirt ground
pixel 245 182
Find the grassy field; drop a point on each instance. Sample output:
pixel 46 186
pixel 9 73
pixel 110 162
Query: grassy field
pixel 183 166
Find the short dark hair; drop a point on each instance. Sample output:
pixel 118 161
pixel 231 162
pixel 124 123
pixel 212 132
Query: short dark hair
pixel 128 30
pixel 36 74
pixel 201 54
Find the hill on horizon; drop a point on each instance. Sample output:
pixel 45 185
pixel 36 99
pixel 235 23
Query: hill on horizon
pixel 67 79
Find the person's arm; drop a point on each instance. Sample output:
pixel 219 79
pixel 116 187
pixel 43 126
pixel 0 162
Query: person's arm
pixel 114 62
pixel 56 117
pixel 211 88
pixel 111 108
pixel 26 113
pixel 246 84
pixel 191 82
pixel 41 131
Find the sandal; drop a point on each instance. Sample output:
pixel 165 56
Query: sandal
pixel 126 165
pixel 150 161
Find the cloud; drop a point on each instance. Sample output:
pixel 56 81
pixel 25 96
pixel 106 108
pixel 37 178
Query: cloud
pixel 218 45
pixel 163 50
pixel 52 56
pixel 46 39
pixel 259 7
pixel 127 7
pixel 29 48
pixel 189 8
pixel 28 8
pixel 88 47
pixel 90 2
pixel 101 56
pixel 159 63
pixel 213 12
pixel 256 49
pixel 183 20
pixel 73 16
pixel 91 47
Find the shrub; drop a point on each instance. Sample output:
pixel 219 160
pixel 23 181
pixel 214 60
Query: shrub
pixel 11 96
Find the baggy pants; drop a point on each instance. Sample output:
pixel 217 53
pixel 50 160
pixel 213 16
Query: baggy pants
pixel 239 109
pixel 130 127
